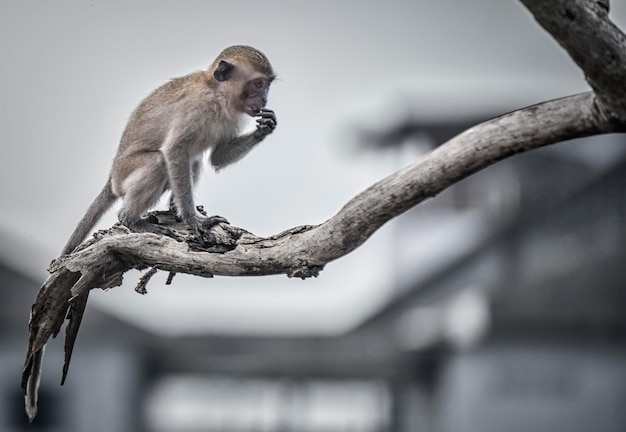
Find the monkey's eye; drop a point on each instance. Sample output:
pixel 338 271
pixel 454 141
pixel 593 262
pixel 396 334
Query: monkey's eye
pixel 258 84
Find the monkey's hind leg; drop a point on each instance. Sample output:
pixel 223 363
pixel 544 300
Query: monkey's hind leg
pixel 142 190
pixel 203 234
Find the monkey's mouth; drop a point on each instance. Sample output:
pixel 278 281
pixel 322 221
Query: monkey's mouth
pixel 253 111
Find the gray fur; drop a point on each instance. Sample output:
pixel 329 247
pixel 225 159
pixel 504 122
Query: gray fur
pixel 169 132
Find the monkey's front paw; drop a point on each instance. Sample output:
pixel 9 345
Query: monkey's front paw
pixel 207 222
pixel 265 123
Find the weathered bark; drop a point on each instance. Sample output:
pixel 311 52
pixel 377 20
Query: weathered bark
pixel 598 47
pixel 582 27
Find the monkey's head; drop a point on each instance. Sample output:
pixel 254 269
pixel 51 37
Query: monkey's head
pixel 245 72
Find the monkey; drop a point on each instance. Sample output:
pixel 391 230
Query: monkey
pixel 161 150
pixel 166 136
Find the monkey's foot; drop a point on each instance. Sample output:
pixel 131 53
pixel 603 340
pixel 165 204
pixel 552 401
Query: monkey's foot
pixel 212 220
pixel 174 210
pixel 208 222
pixel 205 236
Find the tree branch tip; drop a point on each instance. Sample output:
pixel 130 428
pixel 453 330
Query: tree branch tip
pixel 143 281
pixel 170 277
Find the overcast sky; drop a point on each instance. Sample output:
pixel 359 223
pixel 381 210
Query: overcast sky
pixel 72 71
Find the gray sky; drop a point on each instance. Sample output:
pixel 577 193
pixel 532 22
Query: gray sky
pixel 72 71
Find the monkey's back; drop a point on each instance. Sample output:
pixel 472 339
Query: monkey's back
pixel 150 122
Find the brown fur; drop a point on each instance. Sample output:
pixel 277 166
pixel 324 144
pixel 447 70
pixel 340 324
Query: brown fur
pixel 254 57
pixel 170 130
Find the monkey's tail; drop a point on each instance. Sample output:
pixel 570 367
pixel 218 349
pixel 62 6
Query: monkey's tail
pixel 98 207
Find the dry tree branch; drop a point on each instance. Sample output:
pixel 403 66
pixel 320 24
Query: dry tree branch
pixel 582 27
pixel 594 42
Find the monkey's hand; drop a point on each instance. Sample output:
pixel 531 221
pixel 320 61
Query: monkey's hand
pixel 265 123
pixel 228 152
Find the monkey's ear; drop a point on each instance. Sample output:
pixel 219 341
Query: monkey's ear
pixel 223 71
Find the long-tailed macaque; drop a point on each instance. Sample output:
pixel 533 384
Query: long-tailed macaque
pixel 162 146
